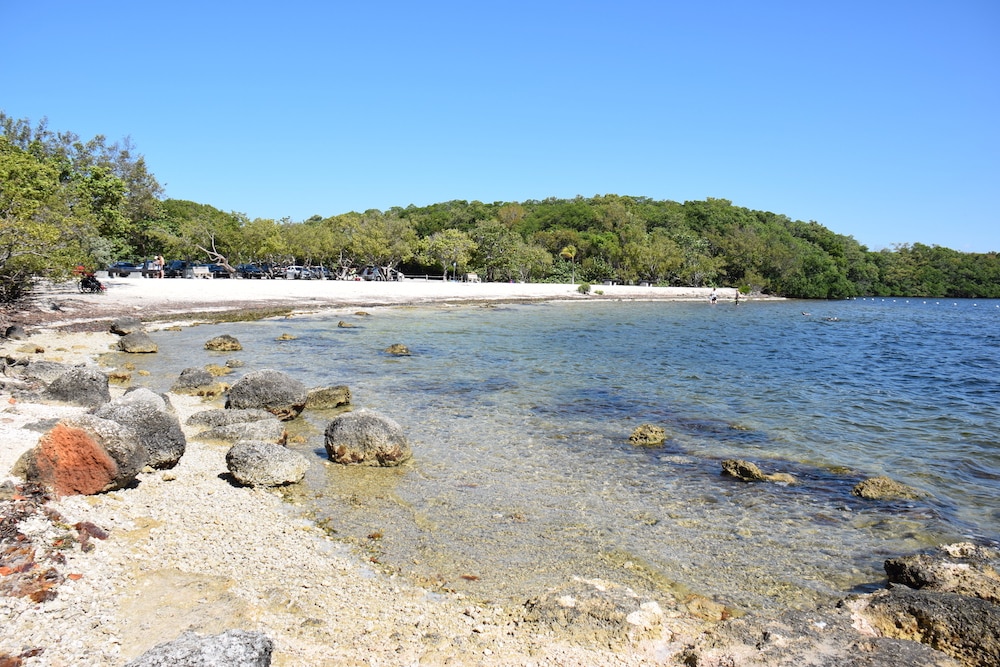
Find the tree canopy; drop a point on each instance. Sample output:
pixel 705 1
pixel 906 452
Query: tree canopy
pixel 65 202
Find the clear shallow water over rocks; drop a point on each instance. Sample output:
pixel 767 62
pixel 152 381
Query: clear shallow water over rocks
pixel 523 476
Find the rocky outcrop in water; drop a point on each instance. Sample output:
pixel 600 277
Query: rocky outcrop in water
pixel 260 463
pixel 275 391
pixel 232 648
pixel 963 568
pixel 750 472
pixel 884 488
pixel 648 435
pixel 223 343
pixel 137 342
pixel 366 438
pixel 328 398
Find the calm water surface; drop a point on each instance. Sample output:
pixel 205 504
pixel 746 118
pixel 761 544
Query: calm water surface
pixel 523 476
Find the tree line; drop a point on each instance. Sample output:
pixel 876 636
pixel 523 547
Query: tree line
pixel 66 202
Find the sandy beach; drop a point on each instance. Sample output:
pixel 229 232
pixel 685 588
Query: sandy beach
pixel 187 550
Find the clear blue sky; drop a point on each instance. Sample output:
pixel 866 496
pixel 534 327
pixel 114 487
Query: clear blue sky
pixel 878 119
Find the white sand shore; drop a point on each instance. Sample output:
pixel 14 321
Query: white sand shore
pixel 187 550
pixel 63 305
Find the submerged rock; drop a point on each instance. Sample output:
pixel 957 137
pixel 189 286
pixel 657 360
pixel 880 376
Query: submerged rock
pixel 749 472
pixel 884 488
pixel 326 398
pixel 648 435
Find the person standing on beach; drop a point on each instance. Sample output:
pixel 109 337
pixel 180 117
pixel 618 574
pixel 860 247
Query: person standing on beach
pixel 159 266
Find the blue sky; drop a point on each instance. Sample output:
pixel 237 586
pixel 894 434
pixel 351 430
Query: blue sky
pixel 877 119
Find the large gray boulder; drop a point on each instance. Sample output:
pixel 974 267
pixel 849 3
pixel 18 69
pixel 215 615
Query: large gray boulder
pixel 232 648
pixel 44 371
pixel 366 438
pixel 275 391
pixel 84 455
pixel 86 387
pixel 148 414
pixel 223 343
pixel 258 463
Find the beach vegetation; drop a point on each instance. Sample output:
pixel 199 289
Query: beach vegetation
pixel 67 202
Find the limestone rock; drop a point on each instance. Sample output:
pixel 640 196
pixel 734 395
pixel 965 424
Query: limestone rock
pixel 884 488
pixel 223 343
pixel 87 387
pixel 962 568
pixel 147 414
pixel 367 438
pixel 15 332
pixel 648 435
pixel 191 380
pixel 223 417
pixel 137 342
pixel 85 455
pixel 966 628
pixel 258 463
pixel 126 325
pixel 750 472
pixel 275 391
pixel 398 350
pixel 232 648
pixel 327 398
pixel 270 430
pixel 597 611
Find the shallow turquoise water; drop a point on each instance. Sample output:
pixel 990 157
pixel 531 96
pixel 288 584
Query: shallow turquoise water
pixel 523 476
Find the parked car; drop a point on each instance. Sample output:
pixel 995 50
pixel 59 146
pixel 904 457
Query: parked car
pixel 298 273
pixel 320 273
pixel 175 268
pixel 379 273
pixel 218 271
pixel 251 271
pixel 123 269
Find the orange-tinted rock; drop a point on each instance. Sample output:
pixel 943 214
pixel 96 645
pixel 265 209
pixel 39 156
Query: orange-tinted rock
pixel 69 460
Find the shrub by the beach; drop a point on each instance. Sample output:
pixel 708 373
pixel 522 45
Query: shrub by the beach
pixel 259 463
pixel 366 438
pixel 275 391
pixel 84 455
pixel 147 414
pixel 137 342
pixel 86 387
pixel 584 288
pixel 223 343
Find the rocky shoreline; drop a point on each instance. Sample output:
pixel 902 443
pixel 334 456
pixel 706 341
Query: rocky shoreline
pixel 187 549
